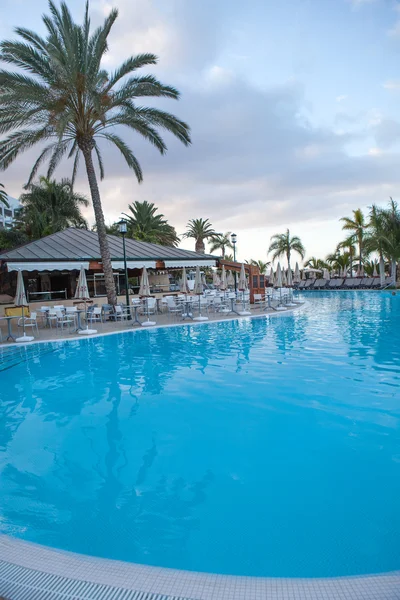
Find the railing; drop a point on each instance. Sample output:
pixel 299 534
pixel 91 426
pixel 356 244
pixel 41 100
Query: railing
pixel 50 295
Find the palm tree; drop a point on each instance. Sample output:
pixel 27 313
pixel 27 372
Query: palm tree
pixel 69 100
pixel 200 230
pixel 11 238
pixel 339 260
pixel 283 244
pixel 316 263
pixel 262 266
pixel 221 241
pixel 384 237
pixel 50 206
pixel 3 196
pixel 349 249
pixel 357 226
pixel 146 225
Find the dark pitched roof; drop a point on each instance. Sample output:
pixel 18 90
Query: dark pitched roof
pixel 80 244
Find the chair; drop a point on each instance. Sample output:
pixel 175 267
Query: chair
pixel 120 313
pixel 173 307
pixel 367 282
pixel 64 319
pixel 29 322
pixel 259 299
pixel 320 284
pixel 309 284
pixel 376 284
pixel 51 317
pixel 95 315
pixel 302 284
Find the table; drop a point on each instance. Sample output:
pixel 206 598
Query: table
pixel 79 321
pixel 8 319
pixel 189 308
pixel 135 317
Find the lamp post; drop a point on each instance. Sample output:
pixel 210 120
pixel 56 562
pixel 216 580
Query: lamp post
pixel 123 229
pixel 233 240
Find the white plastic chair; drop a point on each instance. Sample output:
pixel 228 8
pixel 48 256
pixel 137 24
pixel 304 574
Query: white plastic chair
pixel 64 320
pixel 173 307
pixel 29 322
pixel 121 313
pixel 95 315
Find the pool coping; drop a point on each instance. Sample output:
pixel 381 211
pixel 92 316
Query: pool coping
pixel 33 571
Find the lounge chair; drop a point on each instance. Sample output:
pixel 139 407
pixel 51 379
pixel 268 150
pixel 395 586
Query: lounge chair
pixel 366 282
pixel 320 284
pixel 335 284
pixel 349 283
pixel 376 284
pixel 309 284
pixel 302 284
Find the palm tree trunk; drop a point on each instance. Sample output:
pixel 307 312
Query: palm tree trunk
pixel 393 272
pixel 200 247
pixel 100 224
pixel 288 260
pixel 359 254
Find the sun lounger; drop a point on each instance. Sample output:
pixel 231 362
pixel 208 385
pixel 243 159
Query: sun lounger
pixel 302 284
pixel 367 282
pixel 335 284
pixel 376 283
pixel 309 284
pixel 350 283
pixel 320 284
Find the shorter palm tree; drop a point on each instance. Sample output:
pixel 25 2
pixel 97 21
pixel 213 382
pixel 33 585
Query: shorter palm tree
pixel 262 266
pixel 316 263
pixel 283 244
pixel 3 196
pixel 200 230
pixel 146 225
pixel 50 206
pixel 221 241
pixel 357 225
pixel 11 238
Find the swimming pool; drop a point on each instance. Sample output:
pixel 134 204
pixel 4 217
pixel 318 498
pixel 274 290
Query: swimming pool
pixel 255 447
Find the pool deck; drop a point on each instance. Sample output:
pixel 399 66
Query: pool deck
pixel 47 334
pixel 32 572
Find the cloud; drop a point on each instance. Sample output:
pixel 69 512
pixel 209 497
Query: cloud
pixel 392 85
pixel 341 98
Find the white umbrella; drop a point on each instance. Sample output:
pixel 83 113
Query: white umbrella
pixel 230 280
pixel 271 278
pixel 382 271
pixel 198 290
pixel 203 279
pixel 325 274
pixel 242 286
pixel 284 280
pixel 303 275
pixel 375 273
pixel 223 285
pixel 289 279
pixel 296 278
pixel 216 279
pixel 21 301
pixel 184 287
pixel 82 293
pixel 278 281
pixel 362 273
pixel 144 292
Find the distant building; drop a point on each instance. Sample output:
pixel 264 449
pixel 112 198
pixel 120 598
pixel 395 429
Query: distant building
pixel 7 215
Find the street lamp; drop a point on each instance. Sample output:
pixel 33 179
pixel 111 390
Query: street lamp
pixel 122 226
pixel 233 240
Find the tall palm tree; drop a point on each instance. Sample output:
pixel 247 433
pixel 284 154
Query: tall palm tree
pixel 146 225
pixel 68 99
pixel 339 260
pixel 357 225
pixel 200 230
pixel 3 196
pixel 384 237
pixel 50 206
pixel 348 247
pixel 283 244
pixel 221 241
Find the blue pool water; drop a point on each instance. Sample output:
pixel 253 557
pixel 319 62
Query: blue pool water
pixel 261 447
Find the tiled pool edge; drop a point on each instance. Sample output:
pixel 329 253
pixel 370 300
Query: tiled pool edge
pixel 35 572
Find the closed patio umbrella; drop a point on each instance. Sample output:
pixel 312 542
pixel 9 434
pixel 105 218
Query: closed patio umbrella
pixel 183 286
pixel 375 273
pixel 382 271
pixel 204 280
pixel 198 290
pixel 296 278
pixel 289 278
pixel 303 275
pixel 284 279
pixel 82 293
pixel 325 274
pixel 278 274
pixel 271 278
pixel 144 292
pixel 243 287
pixel 230 280
pixel 21 301
pixel 223 285
pixel 216 279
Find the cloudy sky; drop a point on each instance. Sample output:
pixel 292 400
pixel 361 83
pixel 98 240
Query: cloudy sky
pixel 294 108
